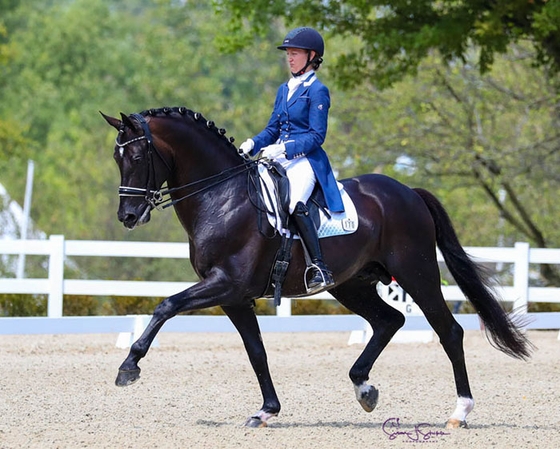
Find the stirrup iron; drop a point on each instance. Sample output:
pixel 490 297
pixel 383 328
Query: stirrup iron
pixel 326 276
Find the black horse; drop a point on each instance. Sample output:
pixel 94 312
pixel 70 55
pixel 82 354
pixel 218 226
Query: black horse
pixel 208 184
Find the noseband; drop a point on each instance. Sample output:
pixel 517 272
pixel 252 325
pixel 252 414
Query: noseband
pixel 151 194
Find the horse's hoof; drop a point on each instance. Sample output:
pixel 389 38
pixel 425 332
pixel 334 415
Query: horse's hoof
pixel 255 422
pixel 456 424
pixel 127 377
pixel 367 396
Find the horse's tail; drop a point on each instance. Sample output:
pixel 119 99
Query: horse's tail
pixel 473 281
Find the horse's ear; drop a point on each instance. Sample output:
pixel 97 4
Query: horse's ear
pixel 126 120
pixel 114 122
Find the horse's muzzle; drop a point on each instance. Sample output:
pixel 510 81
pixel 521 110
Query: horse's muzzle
pixel 133 217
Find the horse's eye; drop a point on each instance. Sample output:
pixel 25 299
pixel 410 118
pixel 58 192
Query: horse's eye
pixel 136 158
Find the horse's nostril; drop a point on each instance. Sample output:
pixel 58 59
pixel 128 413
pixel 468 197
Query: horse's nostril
pixel 128 219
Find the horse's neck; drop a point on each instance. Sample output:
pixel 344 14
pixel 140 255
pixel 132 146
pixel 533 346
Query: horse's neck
pixel 204 172
pixel 199 157
pixel 213 190
pixel 215 213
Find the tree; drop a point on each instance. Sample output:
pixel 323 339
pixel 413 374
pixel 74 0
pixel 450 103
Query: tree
pixel 465 136
pixel 394 36
pixel 112 56
pixel 72 58
pixel 11 133
pixel 461 123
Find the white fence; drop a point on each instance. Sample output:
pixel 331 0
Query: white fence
pixel 56 286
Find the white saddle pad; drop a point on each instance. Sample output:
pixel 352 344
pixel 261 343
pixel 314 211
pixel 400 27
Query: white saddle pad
pixel 340 223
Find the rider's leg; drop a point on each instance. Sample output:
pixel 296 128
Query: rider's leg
pixel 302 181
pixel 321 277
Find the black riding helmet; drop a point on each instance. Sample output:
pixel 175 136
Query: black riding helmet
pixel 307 39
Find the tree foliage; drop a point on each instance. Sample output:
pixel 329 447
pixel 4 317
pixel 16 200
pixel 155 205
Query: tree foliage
pixel 109 56
pixel 444 126
pixel 488 145
pixel 471 110
pixel 394 36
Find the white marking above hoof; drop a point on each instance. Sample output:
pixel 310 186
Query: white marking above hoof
pixel 459 416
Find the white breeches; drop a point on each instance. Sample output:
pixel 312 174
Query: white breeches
pixel 301 177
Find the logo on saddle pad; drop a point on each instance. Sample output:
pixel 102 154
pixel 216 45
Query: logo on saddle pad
pixel 340 223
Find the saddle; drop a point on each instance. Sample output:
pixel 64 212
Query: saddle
pixel 279 194
pixel 275 201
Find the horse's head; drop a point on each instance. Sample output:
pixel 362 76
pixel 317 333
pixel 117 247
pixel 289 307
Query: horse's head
pixel 143 169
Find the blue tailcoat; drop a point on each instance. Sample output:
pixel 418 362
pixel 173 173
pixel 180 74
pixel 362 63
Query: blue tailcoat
pixel 301 123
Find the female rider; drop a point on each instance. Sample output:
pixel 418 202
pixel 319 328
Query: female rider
pixel 293 137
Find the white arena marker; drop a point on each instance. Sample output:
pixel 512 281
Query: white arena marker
pixel 395 296
pixel 125 339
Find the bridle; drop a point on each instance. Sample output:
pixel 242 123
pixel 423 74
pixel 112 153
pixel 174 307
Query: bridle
pixel 154 196
pixel 150 193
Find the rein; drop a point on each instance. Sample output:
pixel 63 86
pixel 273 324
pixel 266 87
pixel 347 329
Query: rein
pixel 155 197
pixel 218 179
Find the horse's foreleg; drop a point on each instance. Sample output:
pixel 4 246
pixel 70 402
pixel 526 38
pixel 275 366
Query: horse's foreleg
pixel 210 292
pixel 245 321
pixel 361 297
pixel 129 372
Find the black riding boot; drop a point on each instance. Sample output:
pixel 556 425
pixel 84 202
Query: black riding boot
pixel 320 277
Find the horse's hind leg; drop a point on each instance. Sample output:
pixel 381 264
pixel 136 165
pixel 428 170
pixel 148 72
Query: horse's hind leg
pixel 423 284
pixel 361 297
pixel 450 334
pixel 245 321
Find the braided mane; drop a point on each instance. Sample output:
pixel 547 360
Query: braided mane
pixel 196 116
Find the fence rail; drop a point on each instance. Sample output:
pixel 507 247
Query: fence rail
pixel 57 249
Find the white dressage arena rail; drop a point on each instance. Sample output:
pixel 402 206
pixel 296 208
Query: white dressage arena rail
pixel 57 249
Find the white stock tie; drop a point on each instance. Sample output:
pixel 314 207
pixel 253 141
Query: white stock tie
pixel 293 84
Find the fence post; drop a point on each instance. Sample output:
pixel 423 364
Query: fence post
pixel 125 339
pixel 285 307
pixel 521 277
pixel 56 276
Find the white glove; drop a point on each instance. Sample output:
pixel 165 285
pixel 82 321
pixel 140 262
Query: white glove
pixel 247 146
pixel 273 151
